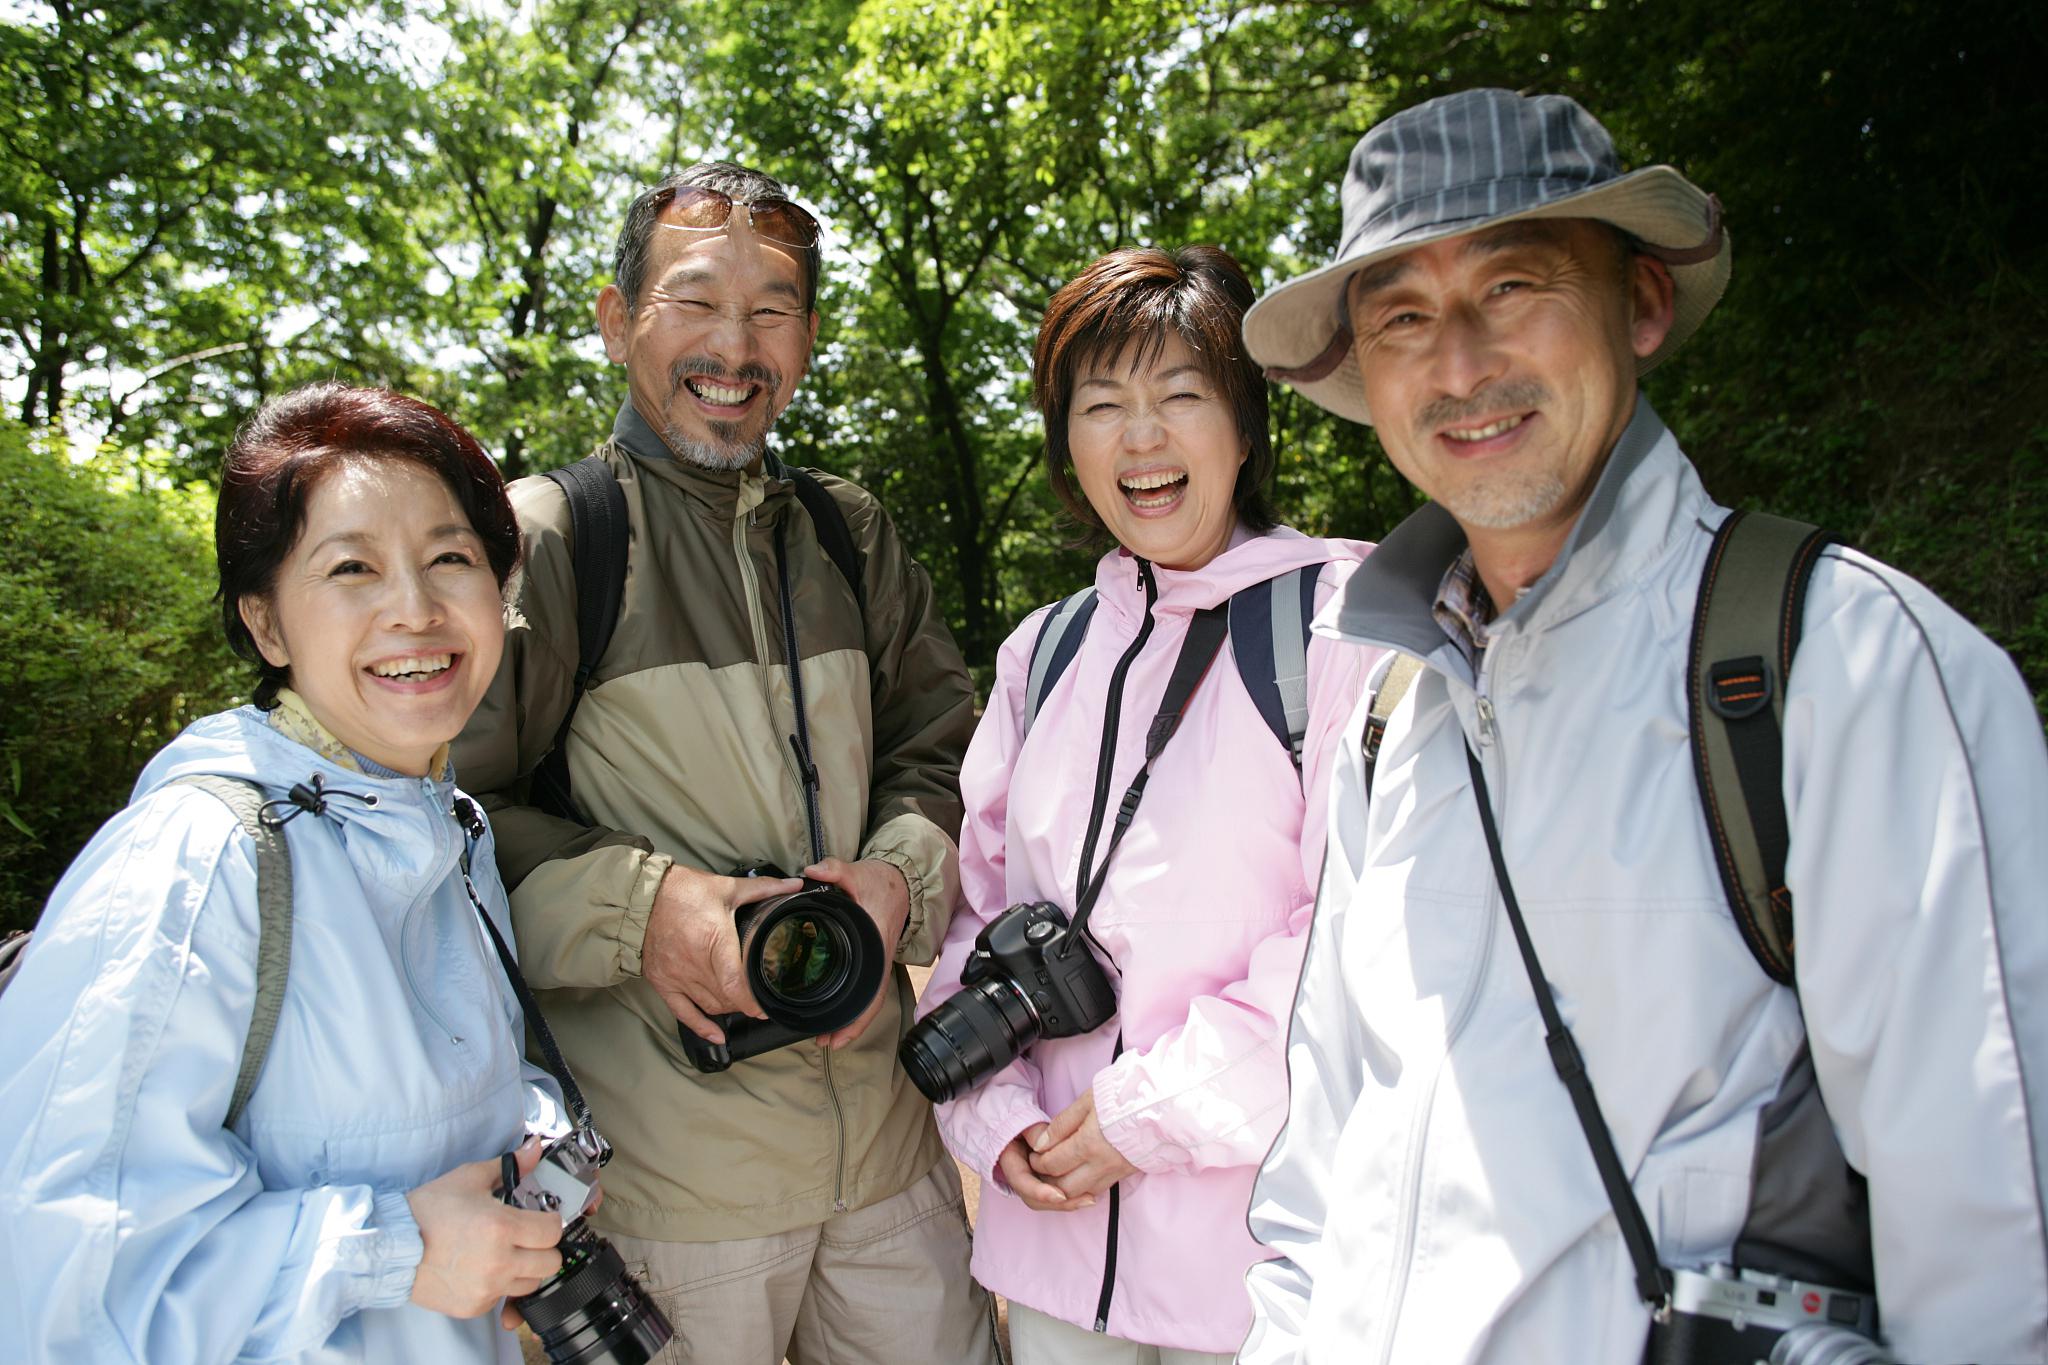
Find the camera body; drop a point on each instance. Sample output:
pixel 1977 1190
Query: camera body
pixel 1725 1316
pixel 1024 981
pixel 592 1312
pixel 813 959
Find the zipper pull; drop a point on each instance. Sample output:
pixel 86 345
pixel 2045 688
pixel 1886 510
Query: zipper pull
pixel 1485 722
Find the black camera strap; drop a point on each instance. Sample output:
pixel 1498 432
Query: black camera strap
pixel 800 742
pixel 1653 1282
pixel 472 821
pixel 1206 632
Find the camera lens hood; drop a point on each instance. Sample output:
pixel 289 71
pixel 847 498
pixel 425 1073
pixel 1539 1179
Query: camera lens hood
pixel 813 958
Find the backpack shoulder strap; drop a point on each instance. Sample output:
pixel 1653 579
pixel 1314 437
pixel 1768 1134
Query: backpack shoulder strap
pixel 1746 625
pixel 1059 638
pixel 599 537
pixel 274 925
pixel 1269 632
pixel 1395 675
pixel 833 532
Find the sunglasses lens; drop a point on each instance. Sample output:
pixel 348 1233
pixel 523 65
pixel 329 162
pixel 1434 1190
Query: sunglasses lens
pixel 696 207
pixel 781 221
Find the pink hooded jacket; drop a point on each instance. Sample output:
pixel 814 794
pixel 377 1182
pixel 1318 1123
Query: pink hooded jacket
pixel 1205 911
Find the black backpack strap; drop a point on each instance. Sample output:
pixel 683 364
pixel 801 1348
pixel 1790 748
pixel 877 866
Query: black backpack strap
pixel 1269 634
pixel 1746 625
pixel 1059 639
pixel 833 532
pixel 599 536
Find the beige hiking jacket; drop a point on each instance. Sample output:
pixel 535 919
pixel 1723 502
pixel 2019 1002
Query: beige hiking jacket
pixel 680 752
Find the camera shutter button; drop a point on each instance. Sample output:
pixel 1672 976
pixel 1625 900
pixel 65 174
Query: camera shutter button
pixel 1040 932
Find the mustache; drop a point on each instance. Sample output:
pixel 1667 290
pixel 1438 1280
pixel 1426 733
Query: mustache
pixel 752 373
pixel 1508 394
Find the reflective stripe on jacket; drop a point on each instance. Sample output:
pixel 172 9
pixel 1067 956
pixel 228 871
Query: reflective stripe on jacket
pixel 133 1226
pixel 1203 911
pixel 1432 1198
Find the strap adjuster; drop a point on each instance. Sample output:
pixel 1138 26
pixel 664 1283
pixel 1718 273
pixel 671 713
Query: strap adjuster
pixel 1739 688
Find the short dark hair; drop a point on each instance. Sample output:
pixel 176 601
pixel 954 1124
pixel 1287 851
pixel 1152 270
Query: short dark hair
pixel 1137 297
pixel 297 439
pixel 744 184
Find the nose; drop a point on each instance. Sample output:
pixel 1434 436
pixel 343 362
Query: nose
pixel 1144 431
pixel 1467 354
pixel 729 338
pixel 411 603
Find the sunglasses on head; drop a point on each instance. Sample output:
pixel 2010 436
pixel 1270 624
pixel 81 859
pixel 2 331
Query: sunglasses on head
pixel 700 209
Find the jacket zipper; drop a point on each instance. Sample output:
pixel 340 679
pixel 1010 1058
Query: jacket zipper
pixel 1104 761
pixel 405 926
pixel 752 584
pixel 1405 1251
pixel 838 1137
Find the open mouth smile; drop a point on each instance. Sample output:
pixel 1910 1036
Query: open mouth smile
pixel 415 672
pixel 1154 490
pixel 726 399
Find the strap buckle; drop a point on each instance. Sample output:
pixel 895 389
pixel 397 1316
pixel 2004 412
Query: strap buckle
pixel 1739 688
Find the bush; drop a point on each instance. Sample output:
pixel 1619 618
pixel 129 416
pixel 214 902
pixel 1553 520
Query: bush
pixel 109 645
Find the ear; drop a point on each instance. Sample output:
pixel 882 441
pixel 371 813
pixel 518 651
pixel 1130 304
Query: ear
pixel 1652 303
pixel 261 619
pixel 614 317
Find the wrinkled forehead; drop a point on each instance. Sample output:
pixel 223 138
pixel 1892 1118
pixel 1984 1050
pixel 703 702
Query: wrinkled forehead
pixel 1556 234
pixel 732 257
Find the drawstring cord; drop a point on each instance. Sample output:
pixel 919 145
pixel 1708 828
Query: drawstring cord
pixel 308 797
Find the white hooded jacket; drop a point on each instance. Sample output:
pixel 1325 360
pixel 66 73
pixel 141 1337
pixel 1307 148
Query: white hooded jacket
pixel 1432 1198
pixel 133 1225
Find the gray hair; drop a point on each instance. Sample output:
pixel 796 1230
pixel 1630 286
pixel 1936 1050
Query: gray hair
pixel 743 184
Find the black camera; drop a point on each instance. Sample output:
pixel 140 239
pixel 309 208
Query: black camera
pixel 592 1312
pixel 814 961
pixel 1725 1316
pixel 1029 977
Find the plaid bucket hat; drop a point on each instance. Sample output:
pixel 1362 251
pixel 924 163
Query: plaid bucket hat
pixel 1464 162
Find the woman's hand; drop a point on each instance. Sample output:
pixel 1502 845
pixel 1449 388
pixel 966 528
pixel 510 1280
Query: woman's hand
pixel 477 1249
pixel 1015 1164
pixel 1074 1155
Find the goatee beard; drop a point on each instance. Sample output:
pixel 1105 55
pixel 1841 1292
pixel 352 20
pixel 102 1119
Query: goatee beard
pixel 725 456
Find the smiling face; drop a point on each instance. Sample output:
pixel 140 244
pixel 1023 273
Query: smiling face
pixel 385 611
pixel 1156 451
pixel 717 341
pixel 1500 370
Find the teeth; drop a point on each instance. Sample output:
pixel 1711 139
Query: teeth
pixel 1487 432
pixel 718 393
pixel 1139 483
pixel 422 665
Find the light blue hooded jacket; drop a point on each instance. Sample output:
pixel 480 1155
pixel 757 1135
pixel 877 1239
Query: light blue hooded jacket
pixel 133 1225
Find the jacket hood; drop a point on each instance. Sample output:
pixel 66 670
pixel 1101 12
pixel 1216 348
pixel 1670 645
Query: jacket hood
pixel 1249 558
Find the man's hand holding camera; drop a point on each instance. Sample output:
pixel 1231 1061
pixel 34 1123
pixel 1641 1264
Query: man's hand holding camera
pixel 878 888
pixel 691 951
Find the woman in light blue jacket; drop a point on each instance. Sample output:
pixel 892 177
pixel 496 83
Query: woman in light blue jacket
pixel 348 1212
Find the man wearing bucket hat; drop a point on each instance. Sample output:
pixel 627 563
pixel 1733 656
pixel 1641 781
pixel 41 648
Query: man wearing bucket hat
pixel 1878 1124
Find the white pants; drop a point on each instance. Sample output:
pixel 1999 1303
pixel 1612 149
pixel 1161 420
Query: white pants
pixel 1036 1339
pixel 883 1285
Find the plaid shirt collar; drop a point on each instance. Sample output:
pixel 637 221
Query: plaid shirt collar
pixel 1463 607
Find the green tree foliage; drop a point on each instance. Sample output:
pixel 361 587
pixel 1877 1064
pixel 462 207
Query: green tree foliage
pixel 109 644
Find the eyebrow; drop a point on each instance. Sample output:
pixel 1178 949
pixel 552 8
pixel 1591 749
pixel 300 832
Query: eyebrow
pixel 356 536
pixel 1174 373
pixel 1507 237
pixel 703 275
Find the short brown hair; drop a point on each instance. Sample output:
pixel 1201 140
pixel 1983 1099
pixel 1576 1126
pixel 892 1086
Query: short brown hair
pixel 297 439
pixel 1137 297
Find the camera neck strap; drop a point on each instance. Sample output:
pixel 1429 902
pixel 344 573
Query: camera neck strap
pixel 1653 1282
pixel 472 821
pixel 1206 632
pixel 800 742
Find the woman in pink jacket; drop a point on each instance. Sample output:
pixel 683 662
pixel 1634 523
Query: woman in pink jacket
pixel 1118 1162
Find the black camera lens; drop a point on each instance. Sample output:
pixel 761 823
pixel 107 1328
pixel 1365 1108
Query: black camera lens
pixel 970 1036
pixel 804 958
pixel 593 1312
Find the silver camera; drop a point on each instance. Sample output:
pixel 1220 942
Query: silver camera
pixel 1725 1316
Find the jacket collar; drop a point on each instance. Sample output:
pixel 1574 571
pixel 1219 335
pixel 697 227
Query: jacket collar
pixel 729 492
pixel 1645 493
pixel 1249 558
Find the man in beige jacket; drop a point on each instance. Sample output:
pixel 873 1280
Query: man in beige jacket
pixel 798 1202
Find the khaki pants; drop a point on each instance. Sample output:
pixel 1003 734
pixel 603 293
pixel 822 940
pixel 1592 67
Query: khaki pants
pixel 883 1285
pixel 1039 1339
